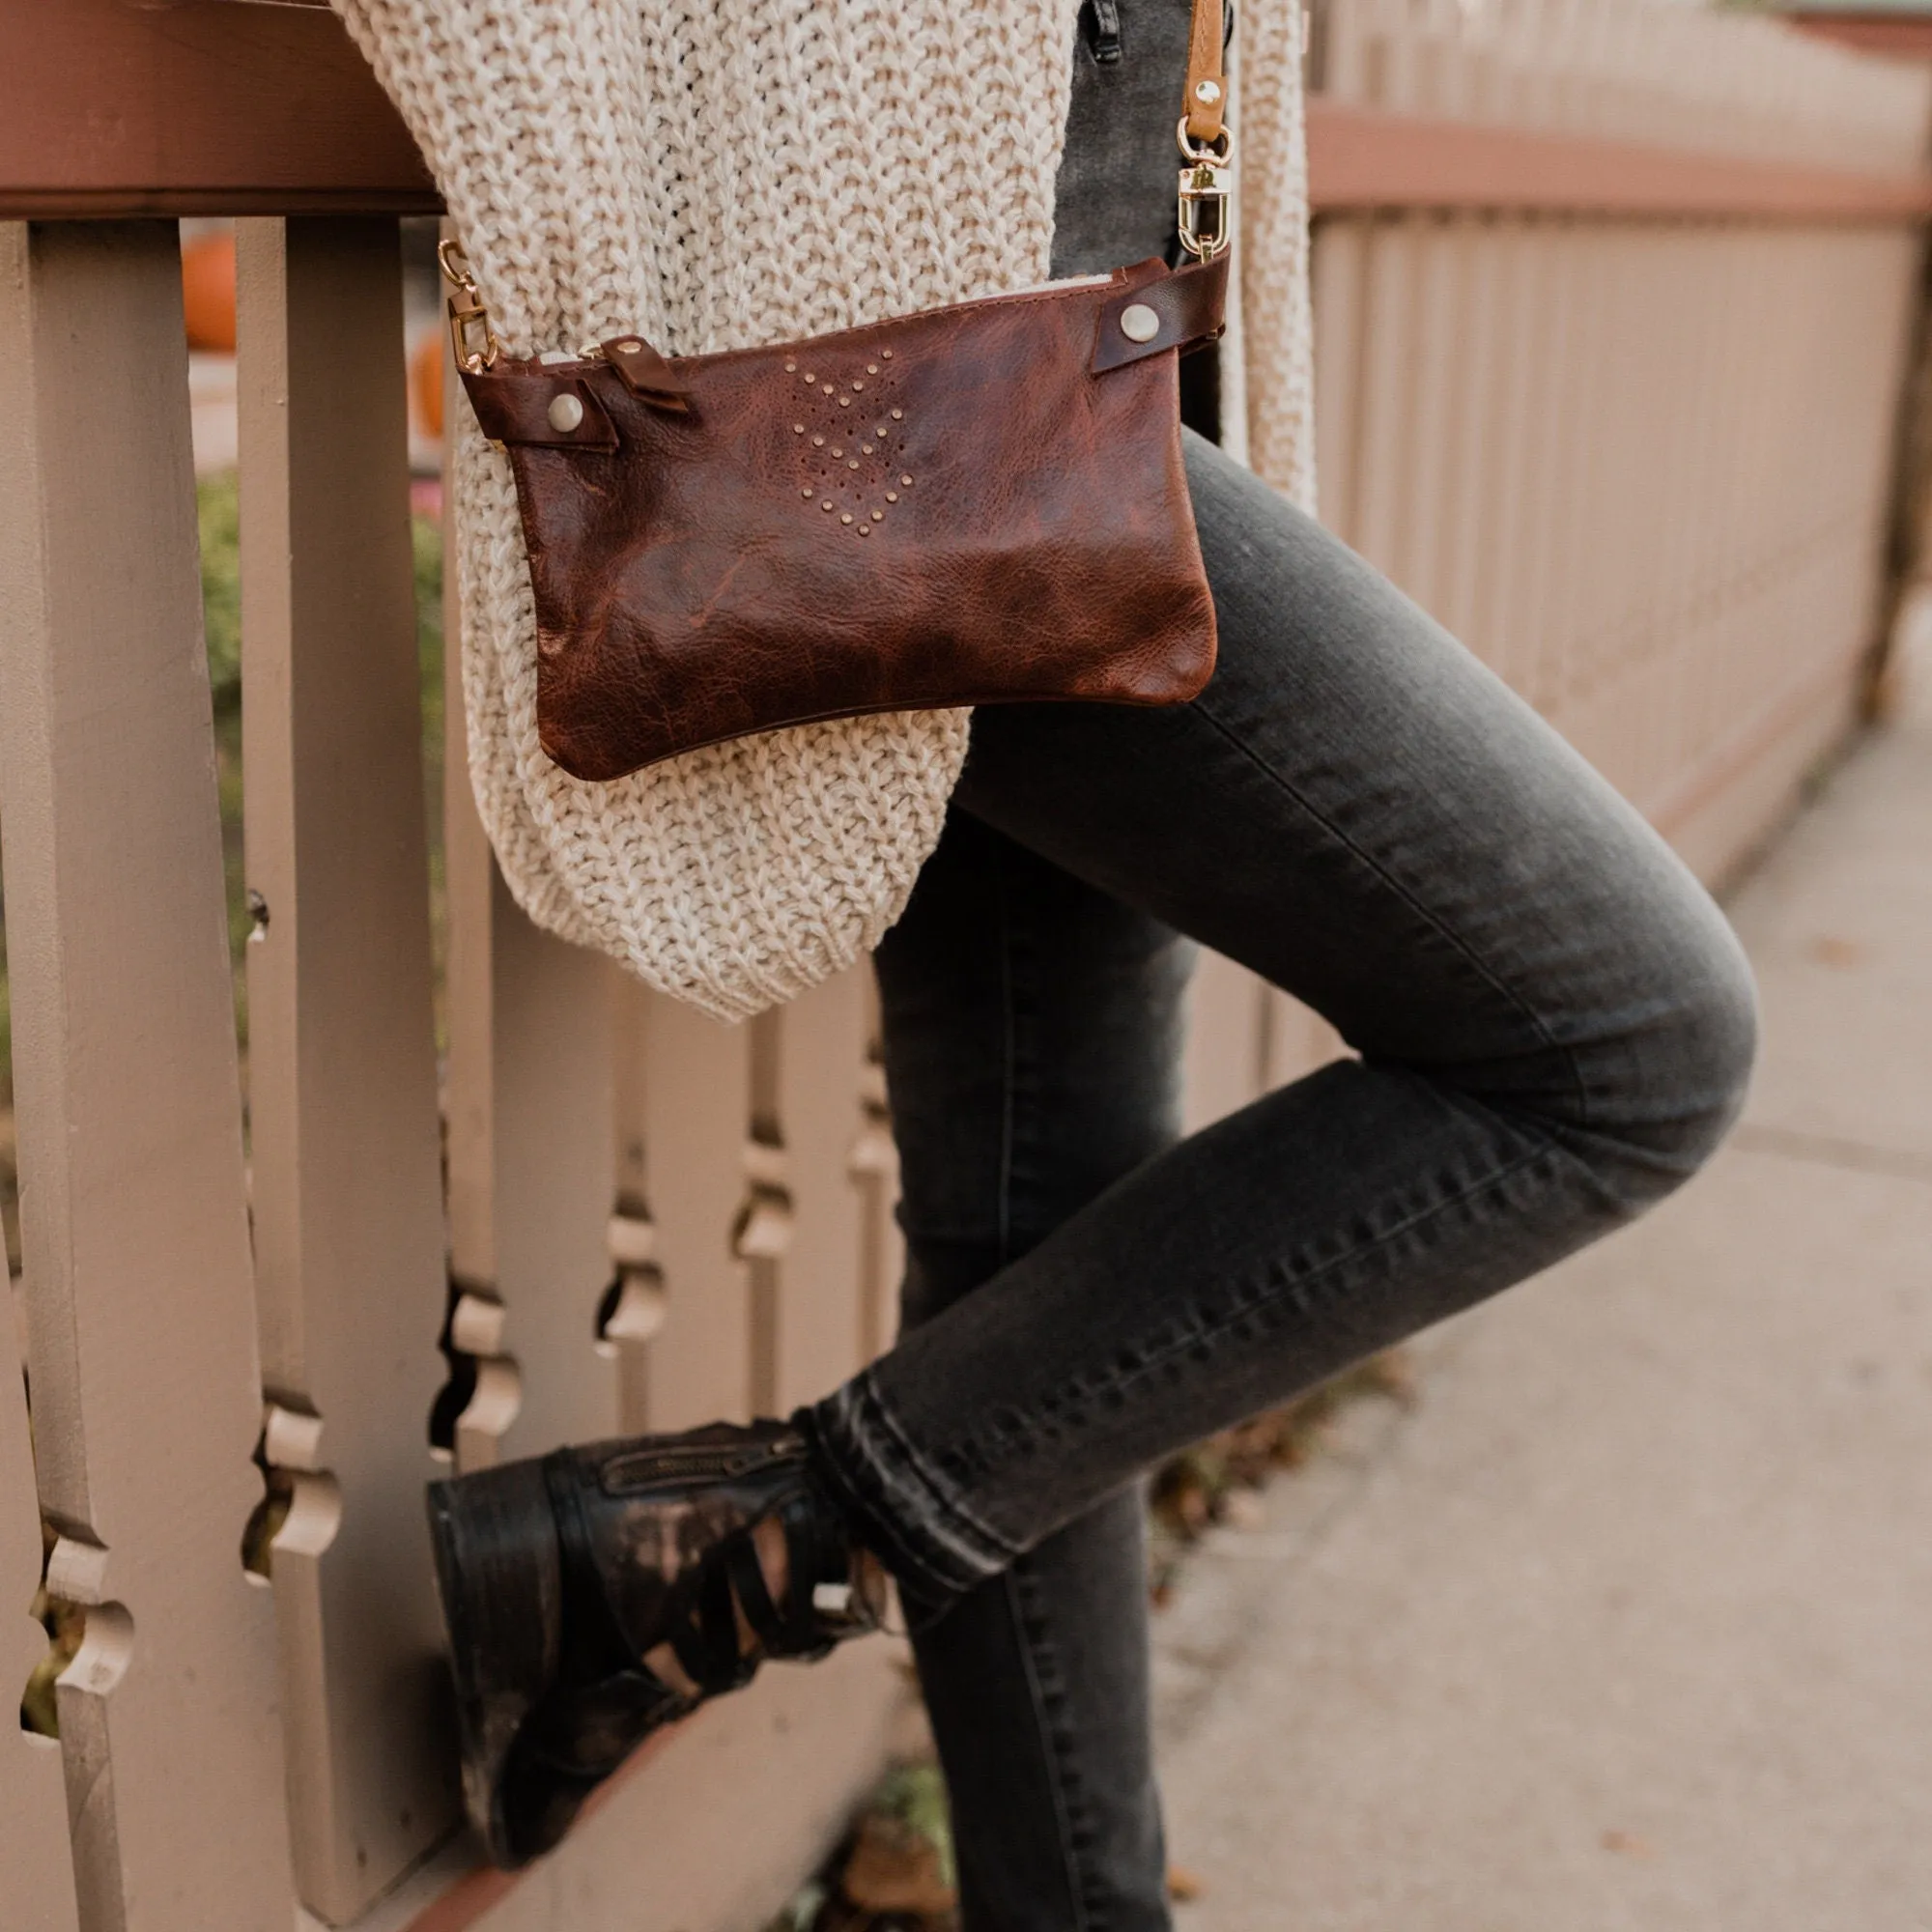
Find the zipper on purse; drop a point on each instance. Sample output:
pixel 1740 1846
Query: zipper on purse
pixel 697 1462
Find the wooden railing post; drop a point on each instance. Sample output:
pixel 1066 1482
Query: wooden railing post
pixel 530 1093
pixel 348 1189
pixel 134 1213
pixel 693 1120
pixel 818 1322
pixel 39 1874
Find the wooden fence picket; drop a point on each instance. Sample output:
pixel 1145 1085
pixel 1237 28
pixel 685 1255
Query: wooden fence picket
pixel 696 1129
pixel 139 1291
pixel 530 1088
pixel 348 1186
pixel 34 1857
pixel 819 1320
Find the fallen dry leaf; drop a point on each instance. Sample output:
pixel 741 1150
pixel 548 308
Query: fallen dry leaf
pixel 894 1868
pixel 1830 950
pixel 1183 1885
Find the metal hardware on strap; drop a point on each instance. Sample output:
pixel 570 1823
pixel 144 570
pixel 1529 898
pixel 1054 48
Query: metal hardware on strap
pixel 1207 196
pixel 471 336
pixel 1186 307
pixel 1206 147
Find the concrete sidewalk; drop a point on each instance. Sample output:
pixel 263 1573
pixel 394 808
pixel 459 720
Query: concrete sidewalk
pixel 1627 1624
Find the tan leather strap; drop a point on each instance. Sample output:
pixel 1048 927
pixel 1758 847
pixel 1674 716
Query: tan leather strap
pixel 1206 82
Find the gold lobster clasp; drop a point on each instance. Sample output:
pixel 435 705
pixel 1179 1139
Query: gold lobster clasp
pixel 471 336
pixel 1207 193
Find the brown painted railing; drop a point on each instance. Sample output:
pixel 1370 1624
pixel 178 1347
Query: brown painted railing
pixel 1367 158
pixel 206 108
pixel 203 107
pixel 1610 342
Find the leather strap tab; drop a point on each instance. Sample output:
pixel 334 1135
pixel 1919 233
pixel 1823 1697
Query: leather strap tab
pixel 1189 308
pixel 646 373
pixel 521 406
pixel 1206 82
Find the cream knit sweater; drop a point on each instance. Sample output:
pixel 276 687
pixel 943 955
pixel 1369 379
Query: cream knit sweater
pixel 727 174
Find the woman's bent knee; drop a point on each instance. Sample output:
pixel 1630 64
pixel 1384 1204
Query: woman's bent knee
pixel 1667 1080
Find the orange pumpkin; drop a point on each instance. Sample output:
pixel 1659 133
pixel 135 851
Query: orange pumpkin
pixel 208 292
pixel 426 383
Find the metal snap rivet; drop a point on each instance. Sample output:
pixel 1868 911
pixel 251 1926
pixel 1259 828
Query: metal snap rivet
pixel 905 482
pixel 798 429
pixel 878 515
pixel 864 449
pixel 819 443
pixel 885 355
pixel 807 491
pixel 871 368
pixel 845 515
pixel 791 368
pixel 898 416
pixel 1138 323
pixel 851 463
pixel 892 496
pixel 1207 93
pixel 845 402
pixel 827 505
pixel 566 413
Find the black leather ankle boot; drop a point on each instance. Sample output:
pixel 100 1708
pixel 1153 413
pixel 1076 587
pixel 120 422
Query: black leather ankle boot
pixel 559 1577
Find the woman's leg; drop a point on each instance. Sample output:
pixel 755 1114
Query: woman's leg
pixel 1032 1033
pixel 1554 1028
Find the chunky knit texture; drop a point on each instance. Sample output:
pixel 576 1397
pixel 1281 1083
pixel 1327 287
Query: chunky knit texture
pixel 720 175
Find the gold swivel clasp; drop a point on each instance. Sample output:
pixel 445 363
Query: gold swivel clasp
pixel 471 336
pixel 1207 193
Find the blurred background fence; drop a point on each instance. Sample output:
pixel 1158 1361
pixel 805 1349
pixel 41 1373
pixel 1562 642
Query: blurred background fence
pixel 1618 317
pixel 1614 309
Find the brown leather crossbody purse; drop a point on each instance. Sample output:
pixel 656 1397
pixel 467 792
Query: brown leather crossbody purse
pixel 975 504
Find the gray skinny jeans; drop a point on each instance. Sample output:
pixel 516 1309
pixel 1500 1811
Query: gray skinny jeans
pixel 1553 1027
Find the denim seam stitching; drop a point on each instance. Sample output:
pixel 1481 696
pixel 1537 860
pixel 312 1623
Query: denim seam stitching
pixel 1493 1179
pixel 1049 1755
pixel 939 1491
pixel 1117 1386
pixel 868 1494
pixel 1409 898
pixel 1008 1054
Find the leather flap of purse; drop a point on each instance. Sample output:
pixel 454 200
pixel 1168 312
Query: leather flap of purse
pixel 1182 310
pixel 535 406
pixel 646 373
